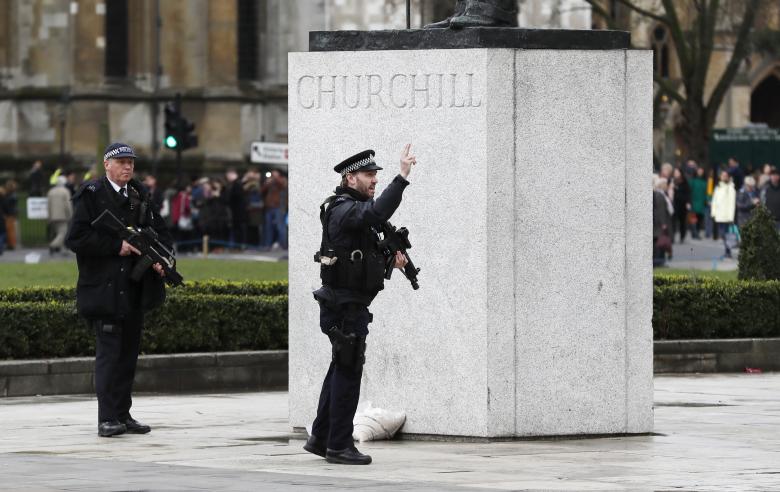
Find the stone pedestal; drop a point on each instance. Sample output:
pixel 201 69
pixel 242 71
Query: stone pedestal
pixel 530 217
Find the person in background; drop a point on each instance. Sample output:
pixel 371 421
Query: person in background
pixel 770 196
pixel 682 203
pixel 2 221
pixel 724 205
pixel 667 170
pixel 181 219
pixel 156 194
pixel 709 226
pixel 698 201
pixel 763 178
pixel 690 169
pixel 747 199
pixel 254 206
pixel 36 180
pixel 736 173
pixel 238 213
pixel 663 213
pixel 274 193
pixel 60 213
pixel 214 213
pixel 10 208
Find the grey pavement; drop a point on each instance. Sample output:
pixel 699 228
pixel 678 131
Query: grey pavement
pixel 713 432
pixel 701 254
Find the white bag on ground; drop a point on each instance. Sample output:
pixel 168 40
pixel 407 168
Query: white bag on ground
pixel 373 424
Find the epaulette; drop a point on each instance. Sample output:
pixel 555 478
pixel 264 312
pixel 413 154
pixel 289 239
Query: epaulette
pixel 90 186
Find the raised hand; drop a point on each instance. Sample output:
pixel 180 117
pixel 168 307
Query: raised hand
pixel 407 161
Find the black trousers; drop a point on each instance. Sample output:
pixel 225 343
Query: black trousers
pixel 341 387
pixel 116 354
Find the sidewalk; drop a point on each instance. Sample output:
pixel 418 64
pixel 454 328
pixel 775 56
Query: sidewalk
pixel 719 432
pixel 701 254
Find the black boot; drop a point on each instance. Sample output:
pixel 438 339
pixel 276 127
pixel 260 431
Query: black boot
pixel 111 428
pixel 136 427
pixel 348 456
pixel 460 9
pixel 315 446
pixel 482 13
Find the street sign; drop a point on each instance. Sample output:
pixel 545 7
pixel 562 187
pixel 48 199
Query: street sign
pixel 269 153
pixel 37 208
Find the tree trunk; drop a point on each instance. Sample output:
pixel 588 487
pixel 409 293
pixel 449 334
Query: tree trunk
pixel 695 132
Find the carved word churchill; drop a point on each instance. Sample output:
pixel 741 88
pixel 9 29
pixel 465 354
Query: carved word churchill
pixel 400 90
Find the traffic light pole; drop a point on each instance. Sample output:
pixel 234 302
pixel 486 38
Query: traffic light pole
pixel 177 104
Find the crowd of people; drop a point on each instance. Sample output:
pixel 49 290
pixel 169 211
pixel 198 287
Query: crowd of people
pixel 9 210
pixel 233 211
pixel 714 203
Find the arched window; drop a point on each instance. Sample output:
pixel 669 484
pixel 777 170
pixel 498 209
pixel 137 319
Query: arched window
pixel 247 39
pixel 765 101
pixel 661 55
pixel 116 29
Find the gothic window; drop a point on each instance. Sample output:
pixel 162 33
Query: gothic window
pixel 247 39
pixel 116 33
pixel 661 55
pixel 765 102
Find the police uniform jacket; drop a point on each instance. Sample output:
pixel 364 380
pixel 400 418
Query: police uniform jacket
pixel 352 217
pixel 105 290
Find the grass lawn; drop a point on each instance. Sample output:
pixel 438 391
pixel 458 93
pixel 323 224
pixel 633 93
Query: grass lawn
pixel 697 273
pixel 65 272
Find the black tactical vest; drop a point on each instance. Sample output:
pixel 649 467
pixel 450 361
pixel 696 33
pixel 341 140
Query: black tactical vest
pixel 360 266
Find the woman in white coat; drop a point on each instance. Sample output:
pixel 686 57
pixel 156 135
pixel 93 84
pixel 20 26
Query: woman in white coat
pixel 724 206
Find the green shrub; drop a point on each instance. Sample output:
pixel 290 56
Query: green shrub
pixel 759 247
pixel 42 329
pixel 716 309
pixel 218 287
pixel 185 323
pixel 244 288
pixel 38 294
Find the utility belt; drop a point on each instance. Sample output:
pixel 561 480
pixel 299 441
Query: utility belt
pixel 358 269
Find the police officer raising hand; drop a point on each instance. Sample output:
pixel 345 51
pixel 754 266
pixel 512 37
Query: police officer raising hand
pixel 352 268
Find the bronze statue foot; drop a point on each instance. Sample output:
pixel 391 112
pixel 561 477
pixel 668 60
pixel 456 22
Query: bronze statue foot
pixel 460 9
pixel 486 13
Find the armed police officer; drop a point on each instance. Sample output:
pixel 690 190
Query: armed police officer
pixel 106 296
pixel 352 271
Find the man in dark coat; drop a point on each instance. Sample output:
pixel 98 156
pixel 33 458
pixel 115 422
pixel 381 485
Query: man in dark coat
pixel 112 303
pixel 352 271
pixel 770 196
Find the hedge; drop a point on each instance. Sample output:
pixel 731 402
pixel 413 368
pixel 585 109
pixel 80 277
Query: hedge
pixel 218 287
pixel 185 323
pixel 714 308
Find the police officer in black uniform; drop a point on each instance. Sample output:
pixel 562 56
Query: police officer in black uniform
pixel 112 303
pixel 352 271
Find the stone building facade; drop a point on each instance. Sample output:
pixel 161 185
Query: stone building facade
pixel 75 75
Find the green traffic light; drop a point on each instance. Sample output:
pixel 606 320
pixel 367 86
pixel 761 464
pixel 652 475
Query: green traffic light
pixel 170 142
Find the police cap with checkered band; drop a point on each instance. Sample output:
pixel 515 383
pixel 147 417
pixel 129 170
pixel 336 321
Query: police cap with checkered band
pixel 363 161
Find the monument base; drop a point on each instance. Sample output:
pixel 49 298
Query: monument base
pixel 529 217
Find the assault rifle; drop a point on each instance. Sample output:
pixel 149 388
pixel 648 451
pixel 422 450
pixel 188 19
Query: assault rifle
pixel 145 240
pixel 394 240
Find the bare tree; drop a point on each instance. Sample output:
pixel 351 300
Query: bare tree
pixel 695 26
